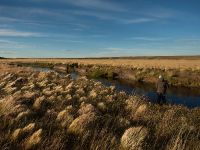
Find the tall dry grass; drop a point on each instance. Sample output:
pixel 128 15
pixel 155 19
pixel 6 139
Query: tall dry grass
pixel 50 111
pixel 169 63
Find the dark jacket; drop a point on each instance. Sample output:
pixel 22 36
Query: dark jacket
pixel 162 86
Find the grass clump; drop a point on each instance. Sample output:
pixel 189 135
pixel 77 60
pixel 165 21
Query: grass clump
pixel 97 73
pixel 50 113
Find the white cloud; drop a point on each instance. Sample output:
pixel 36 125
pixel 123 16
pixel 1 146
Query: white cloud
pixel 117 52
pixel 112 54
pixel 100 9
pixel 115 17
pixel 8 19
pixel 2 41
pixel 114 49
pixel 161 12
pixel 138 20
pixel 189 39
pixel 10 44
pixel 97 4
pixel 151 39
pixel 166 41
pixel 16 33
pixel 33 15
pixel 7 52
pixel 70 51
pixel 27 11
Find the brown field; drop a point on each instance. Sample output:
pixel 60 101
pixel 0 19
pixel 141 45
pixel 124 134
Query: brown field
pixel 148 62
pixel 44 110
pixel 179 71
pixel 8 68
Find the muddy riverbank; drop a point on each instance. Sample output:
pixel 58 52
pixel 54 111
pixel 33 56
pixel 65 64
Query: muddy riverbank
pixel 176 77
pixel 189 97
pixel 179 71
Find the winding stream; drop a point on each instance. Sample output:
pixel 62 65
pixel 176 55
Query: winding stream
pixel 175 95
pixel 189 97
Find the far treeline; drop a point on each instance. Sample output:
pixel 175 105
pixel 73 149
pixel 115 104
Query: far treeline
pixel 2 58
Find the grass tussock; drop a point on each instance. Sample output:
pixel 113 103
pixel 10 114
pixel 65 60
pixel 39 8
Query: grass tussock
pixel 50 111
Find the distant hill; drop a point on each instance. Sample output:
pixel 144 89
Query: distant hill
pixel 2 58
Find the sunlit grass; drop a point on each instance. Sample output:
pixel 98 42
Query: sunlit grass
pixel 41 110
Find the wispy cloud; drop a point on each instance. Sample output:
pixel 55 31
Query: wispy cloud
pixel 32 11
pixel 74 41
pixel 8 19
pixel 16 33
pixel 99 36
pixel 158 12
pixel 131 15
pixel 42 23
pixel 150 39
pixel 113 49
pixel 3 41
pixel 138 20
pixel 101 9
pixel 70 51
pixel 87 24
pixel 120 49
pixel 40 53
pixel 115 17
pixel 7 52
pixel 189 39
pixel 36 16
pixel 112 52
pixel 13 45
pixel 166 41
pixel 97 4
pixel 189 42
pixel 138 51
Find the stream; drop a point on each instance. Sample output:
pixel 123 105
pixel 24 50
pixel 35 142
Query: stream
pixel 189 97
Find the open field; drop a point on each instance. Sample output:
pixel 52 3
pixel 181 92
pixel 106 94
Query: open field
pixel 44 110
pixel 179 71
pixel 149 62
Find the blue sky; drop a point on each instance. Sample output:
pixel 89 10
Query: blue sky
pixel 99 28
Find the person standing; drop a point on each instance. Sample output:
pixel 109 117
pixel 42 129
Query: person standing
pixel 161 86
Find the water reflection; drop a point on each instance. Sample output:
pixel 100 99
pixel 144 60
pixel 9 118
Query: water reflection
pixel 175 95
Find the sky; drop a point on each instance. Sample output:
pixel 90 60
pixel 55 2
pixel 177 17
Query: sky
pixel 99 28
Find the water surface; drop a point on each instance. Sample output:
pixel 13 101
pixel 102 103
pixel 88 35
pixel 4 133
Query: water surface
pixel 189 97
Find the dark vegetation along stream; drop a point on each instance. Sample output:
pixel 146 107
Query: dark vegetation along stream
pixel 189 97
